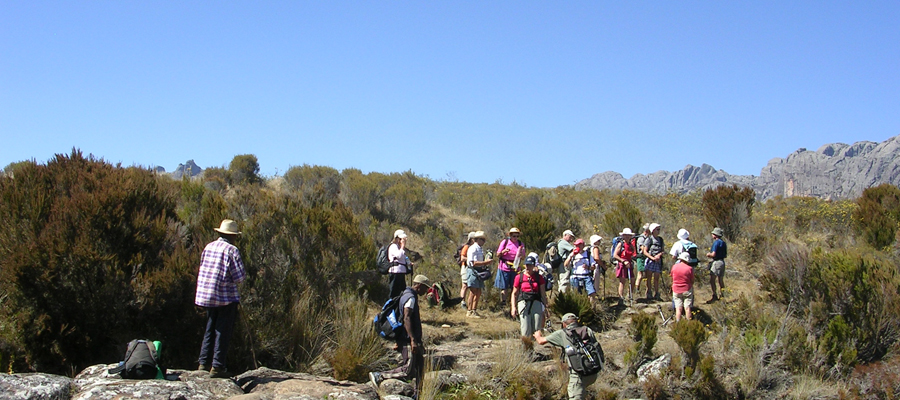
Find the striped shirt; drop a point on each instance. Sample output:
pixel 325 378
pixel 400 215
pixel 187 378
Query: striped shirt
pixel 221 269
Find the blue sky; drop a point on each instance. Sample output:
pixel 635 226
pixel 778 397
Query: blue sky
pixel 541 93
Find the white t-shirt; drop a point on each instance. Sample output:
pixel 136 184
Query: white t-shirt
pixel 411 303
pixel 678 247
pixel 475 253
pixel 581 264
pixel 396 254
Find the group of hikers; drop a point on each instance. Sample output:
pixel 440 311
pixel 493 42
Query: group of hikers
pixel 523 281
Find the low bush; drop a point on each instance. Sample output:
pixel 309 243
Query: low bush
pixel 689 335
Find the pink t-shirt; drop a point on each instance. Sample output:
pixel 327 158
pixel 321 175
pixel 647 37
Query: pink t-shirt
pixel 513 247
pixel 682 277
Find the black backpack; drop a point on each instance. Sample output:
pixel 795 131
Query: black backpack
pixel 381 260
pixel 141 361
pixel 585 356
pixel 389 319
pixel 552 255
pixel 458 256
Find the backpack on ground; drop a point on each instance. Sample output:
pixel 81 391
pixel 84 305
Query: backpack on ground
pixel 552 256
pixel 691 249
pixel 437 295
pixel 141 361
pixel 382 261
pixel 585 356
pixel 389 319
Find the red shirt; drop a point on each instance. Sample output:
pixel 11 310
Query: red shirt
pixel 682 277
pixel 529 283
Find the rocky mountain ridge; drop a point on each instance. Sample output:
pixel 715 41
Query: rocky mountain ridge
pixel 834 171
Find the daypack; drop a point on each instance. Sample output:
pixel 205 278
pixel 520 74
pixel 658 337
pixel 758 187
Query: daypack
pixel 141 361
pixel 437 295
pixel 458 255
pixel 691 249
pixel 381 260
pixel 389 319
pixel 612 250
pixel 552 256
pixel 585 356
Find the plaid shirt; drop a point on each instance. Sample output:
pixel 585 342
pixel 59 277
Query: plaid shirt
pixel 221 269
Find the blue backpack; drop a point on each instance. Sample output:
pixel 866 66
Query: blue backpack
pixel 691 249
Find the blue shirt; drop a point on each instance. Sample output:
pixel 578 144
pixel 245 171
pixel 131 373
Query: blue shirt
pixel 720 250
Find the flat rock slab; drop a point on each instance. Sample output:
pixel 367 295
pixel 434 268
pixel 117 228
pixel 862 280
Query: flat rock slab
pixel 270 384
pixel 95 383
pixel 35 387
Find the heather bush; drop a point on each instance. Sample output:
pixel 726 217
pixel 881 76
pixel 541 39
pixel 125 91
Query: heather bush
pixel 623 214
pixel 878 215
pixel 314 182
pixel 689 335
pixel 537 229
pixel 729 208
pixel 643 331
pixel 93 256
pixel 244 169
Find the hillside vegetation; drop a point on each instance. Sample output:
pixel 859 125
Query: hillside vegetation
pixel 93 255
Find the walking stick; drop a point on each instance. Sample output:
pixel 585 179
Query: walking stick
pixel 630 289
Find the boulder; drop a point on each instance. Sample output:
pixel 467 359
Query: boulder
pixel 35 386
pixel 396 387
pixel 656 368
pixel 95 383
pixel 264 384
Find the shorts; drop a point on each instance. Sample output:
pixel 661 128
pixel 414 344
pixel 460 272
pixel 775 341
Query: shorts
pixel 639 264
pixel 685 299
pixel 463 273
pixel 623 272
pixel 504 279
pixel 717 267
pixel 583 283
pixel 472 280
pixel 653 266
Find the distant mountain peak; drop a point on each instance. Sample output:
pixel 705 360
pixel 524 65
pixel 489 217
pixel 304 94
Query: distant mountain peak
pixel 834 171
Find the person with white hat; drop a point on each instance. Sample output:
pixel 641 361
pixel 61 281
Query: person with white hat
pixel 640 259
pixel 409 339
pixel 653 249
pixel 400 265
pixel 565 248
pixel 476 263
pixel 463 270
pixel 684 244
pixel 682 286
pixel 624 254
pixel 221 269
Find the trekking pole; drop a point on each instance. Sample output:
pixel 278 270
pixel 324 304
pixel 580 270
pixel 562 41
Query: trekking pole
pixel 243 318
pixel 630 289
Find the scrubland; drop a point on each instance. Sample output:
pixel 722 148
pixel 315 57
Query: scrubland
pixel 93 255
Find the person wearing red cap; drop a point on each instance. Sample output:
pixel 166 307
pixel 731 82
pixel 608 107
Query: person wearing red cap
pixel 582 267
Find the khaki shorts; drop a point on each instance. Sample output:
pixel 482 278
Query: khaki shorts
pixel 685 299
pixel 717 267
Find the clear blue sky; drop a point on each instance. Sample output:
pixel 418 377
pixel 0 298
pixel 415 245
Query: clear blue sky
pixel 541 93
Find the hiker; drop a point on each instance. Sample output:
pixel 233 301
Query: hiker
pixel 221 269
pixel 597 260
pixel 623 254
pixel 528 300
pixel 409 339
pixel 400 265
pixel 683 286
pixel 463 271
pixel 565 247
pixel 475 261
pixel 684 244
pixel 717 253
pixel 653 252
pixel 640 259
pixel 582 267
pixel 507 269
pixel 559 338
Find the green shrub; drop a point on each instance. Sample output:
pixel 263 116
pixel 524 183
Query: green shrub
pixel 689 335
pixel 643 331
pixel 356 347
pixel 244 169
pixel 878 215
pixel 579 304
pixel 729 208
pixel 623 214
pixel 537 229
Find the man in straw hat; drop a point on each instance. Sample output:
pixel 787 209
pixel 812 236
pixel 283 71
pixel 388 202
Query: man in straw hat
pixel 409 339
pixel 221 269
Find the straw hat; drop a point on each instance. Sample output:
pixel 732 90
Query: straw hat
pixel 228 227
pixel 514 230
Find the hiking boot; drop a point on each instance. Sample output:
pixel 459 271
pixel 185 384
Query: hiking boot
pixel 375 378
pixel 463 304
pixel 657 297
pixel 473 314
pixel 713 300
pixel 203 367
pixel 649 297
pixel 219 373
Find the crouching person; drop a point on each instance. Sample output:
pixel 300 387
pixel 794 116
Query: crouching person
pixel 585 373
pixel 529 298
pixel 409 339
